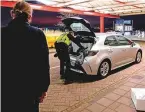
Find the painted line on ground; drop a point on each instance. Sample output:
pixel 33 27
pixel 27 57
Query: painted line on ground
pixel 54 67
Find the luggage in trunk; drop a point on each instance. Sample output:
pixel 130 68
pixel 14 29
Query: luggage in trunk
pixel 78 55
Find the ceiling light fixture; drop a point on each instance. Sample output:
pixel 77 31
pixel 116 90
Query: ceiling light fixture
pixel 36 7
pixel 47 2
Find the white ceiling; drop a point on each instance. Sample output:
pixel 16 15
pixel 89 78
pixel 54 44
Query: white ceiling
pixel 114 7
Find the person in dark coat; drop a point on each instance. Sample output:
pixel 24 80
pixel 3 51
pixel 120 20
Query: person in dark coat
pixel 25 62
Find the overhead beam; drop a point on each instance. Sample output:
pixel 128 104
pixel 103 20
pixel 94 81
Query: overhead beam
pixel 125 3
pixel 58 9
pixel 120 5
pixel 127 10
pixel 134 13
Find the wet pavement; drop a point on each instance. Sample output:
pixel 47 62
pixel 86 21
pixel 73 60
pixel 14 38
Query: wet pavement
pixel 91 94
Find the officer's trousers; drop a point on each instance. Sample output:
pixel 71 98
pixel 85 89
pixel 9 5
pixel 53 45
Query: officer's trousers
pixel 63 55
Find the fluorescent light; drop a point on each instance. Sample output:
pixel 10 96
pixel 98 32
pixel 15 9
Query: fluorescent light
pixel 46 2
pixel 80 8
pixel 65 10
pixel 103 11
pixel 36 7
pixel 71 3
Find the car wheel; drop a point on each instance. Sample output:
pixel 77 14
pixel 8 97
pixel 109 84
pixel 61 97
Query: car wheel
pixel 138 57
pixel 104 69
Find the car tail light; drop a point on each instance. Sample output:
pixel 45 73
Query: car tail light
pixel 92 53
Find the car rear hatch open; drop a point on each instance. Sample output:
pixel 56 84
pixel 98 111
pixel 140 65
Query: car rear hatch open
pixel 82 29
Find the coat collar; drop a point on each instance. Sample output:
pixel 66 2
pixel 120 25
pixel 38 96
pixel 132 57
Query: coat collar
pixel 18 22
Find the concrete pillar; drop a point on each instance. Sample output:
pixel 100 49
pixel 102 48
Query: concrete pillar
pixel 101 24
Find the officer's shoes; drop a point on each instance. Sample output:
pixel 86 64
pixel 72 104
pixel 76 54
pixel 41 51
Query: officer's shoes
pixel 67 81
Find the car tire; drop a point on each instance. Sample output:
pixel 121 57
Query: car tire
pixel 104 69
pixel 138 57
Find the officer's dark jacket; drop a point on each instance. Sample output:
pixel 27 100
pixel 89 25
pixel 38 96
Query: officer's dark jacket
pixel 25 63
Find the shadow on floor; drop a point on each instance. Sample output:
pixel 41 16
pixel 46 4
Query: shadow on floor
pixel 83 78
pixel 121 68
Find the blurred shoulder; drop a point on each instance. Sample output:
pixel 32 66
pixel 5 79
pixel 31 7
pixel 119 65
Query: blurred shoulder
pixel 35 29
pixel 4 30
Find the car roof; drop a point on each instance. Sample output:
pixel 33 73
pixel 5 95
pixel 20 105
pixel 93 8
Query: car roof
pixel 102 36
pixel 106 34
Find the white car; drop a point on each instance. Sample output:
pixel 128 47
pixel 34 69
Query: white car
pixel 108 51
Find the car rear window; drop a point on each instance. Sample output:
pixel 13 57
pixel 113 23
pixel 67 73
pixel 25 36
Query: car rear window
pixel 79 27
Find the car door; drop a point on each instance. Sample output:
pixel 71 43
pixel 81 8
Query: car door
pixel 114 51
pixel 127 48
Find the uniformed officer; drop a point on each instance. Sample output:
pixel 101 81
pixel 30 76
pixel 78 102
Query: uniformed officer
pixel 62 49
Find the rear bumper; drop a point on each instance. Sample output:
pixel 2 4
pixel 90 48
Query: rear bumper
pixel 89 66
pixel 84 68
pixel 77 70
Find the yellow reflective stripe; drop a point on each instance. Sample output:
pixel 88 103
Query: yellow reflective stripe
pixel 67 40
pixel 60 37
pixel 64 38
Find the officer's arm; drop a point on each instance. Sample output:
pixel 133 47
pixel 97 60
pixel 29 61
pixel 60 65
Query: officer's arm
pixel 70 37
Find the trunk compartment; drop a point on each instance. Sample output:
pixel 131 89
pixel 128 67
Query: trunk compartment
pixel 77 57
